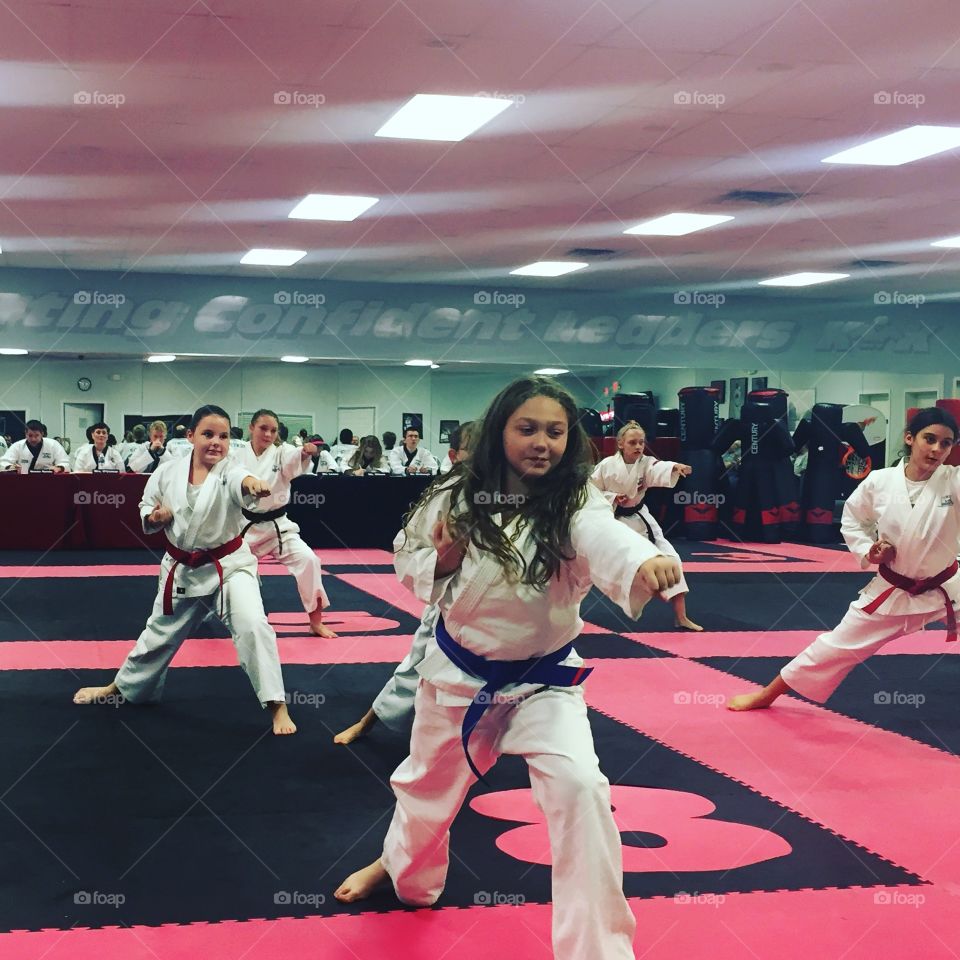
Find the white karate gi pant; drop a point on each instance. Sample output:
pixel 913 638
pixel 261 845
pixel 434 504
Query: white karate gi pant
pixel 143 673
pixel 819 670
pixel 297 557
pixel 550 730
pixel 663 545
pixel 393 705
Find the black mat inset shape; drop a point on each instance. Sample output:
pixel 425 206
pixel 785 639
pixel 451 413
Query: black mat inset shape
pixel 192 811
pixel 913 695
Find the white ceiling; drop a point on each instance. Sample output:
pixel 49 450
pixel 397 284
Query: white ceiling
pixel 199 164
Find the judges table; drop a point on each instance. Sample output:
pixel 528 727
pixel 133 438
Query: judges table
pixel 100 511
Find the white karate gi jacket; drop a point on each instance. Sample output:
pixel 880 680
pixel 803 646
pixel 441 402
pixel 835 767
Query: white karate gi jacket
pixel 51 455
pixel 215 519
pixel 926 535
pixel 88 461
pixel 278 466
pixel 615 477
pixel 504 620
pixel 422 458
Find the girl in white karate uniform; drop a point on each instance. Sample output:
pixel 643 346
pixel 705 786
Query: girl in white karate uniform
pixel 906 520
pixel 507 550
pixel 208 567
pixel 268 529
pixel 393 705
pixel 625 478
pixel 97 457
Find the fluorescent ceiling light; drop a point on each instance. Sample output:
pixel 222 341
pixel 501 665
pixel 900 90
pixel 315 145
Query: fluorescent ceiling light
pixel 13 351
pixel 418 363
pixel 677 224
pixel 266 257
pixel 547 268
pixel 948 242
pixel 294 359
pixel 434 366
pixel 913 143
pixel 802 279
pixel 551 371
pixel 430 116
pixel 329 206
pixel 161 358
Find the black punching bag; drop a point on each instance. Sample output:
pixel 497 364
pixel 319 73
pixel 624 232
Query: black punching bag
pixel 639 407
pixel 699 419
pixel 824 436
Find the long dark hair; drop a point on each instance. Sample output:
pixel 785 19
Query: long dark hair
pixel 357 461
pixel 549 503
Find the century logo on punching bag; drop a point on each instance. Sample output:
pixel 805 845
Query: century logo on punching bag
pixel 754 437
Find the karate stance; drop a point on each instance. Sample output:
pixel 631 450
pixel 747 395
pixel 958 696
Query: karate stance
pixel 625 478
pixel 208 567
pixel 394 703
pixel 906 520
pixel 269 529
pixel 507 550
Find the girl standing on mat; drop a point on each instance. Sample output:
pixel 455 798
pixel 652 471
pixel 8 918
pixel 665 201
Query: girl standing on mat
pixel 198 502
pixel 507 550
pixel 906 520
pixel 269 529
pixel 394 703
pixel 625 478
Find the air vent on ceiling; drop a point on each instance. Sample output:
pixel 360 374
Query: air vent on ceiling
pixel 592 253
pixel 765 198
pixel 875 264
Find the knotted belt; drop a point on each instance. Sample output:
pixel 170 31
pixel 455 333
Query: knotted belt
pixel 194 559
pixel 497 674
pixel 916 587
pixel 267 516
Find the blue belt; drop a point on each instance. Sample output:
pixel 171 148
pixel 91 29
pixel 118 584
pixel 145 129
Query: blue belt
pixel 498 674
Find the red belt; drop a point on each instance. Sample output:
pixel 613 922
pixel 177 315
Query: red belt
pixel 916 587
pixel 194 559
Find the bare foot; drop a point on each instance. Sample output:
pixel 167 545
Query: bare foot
pixel 358 730
pixel 687 624
pixel 109 695
pixel 282 724
pixel 359 885
pixel 318 628
pixel 749 701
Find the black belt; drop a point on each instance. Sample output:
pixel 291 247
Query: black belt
pixel 268 516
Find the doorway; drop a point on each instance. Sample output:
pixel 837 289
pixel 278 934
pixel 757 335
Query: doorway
pixel 76 418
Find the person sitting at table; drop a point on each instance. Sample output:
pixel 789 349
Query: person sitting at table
pixel 389 441
pixel 345 449
pixel 98 456
pixel 127 446
pixel 178 445
pixel 3 445
pixel 459 442
pixel 323 462
pixel 36 453
pixel 236 440
pixel 410 458
pixel 368 459
pixel 301 438
pixel 150 454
